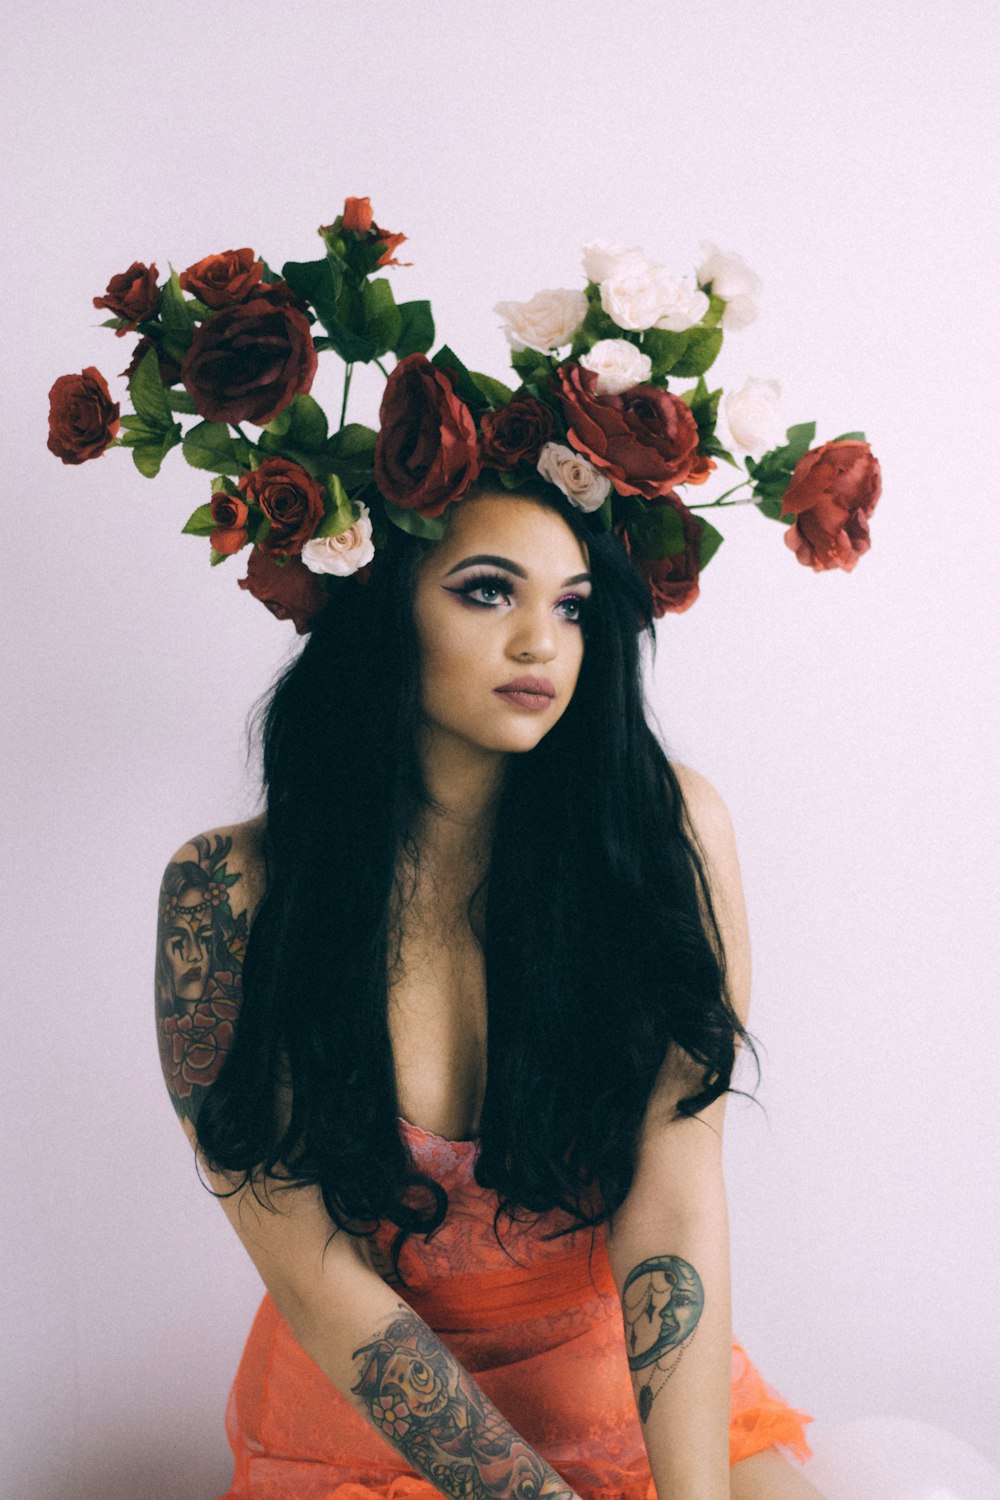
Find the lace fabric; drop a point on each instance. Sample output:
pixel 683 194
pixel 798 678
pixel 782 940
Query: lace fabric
pixel 541 1332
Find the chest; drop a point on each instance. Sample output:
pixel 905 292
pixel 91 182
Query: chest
pixel 437 1028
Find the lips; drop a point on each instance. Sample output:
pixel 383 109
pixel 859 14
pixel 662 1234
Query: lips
pixel 539 685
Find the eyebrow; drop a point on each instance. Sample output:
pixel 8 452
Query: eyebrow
pixel 512 567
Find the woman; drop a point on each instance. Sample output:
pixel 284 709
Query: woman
pixel 469 1121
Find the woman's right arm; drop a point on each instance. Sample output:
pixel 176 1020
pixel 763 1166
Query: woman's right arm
pixel 372 1346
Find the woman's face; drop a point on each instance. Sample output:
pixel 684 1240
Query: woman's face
pixel 500 597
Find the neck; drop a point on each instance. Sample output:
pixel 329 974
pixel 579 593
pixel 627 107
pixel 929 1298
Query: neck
pixel 464 782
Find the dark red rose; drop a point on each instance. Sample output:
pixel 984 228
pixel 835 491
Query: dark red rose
pixel 170 370
pixel 230 514
pixel 833 490
pixel 223 280
pixel 425 451
pixel 280 294
pixel 83 419
pixel 645 440
pixel 514 433
pixel 248 362
pixel 133 296
pixel 289 591
pixel 673 581
pixel 291 499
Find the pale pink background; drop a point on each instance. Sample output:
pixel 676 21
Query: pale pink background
pixel 850 722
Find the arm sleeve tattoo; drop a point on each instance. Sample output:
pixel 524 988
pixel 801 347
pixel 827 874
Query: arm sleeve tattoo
pixel 424 1401
pixel 662 1301
pixel 200 947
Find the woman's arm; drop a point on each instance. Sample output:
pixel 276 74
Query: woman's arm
pixel 374 1349
pixel 669 1242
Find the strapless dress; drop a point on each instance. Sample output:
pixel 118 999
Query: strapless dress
pixel 541 1333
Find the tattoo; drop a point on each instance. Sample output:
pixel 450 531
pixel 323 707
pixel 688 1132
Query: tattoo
pixel 662 1300
pixel 422 1400
pixel 200 947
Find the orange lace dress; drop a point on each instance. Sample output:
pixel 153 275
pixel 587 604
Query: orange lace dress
pixel 543 1337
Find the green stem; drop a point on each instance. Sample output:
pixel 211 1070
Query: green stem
pixel 709 504
pixel 382 367
pixel 347 386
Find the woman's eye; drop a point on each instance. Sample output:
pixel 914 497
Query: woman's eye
pixel 493 586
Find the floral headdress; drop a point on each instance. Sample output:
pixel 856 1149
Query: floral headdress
pixel 594 413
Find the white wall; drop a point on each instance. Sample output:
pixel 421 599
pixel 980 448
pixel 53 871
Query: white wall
pixel 850 721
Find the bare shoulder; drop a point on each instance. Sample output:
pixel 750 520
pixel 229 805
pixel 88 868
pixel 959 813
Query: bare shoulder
pixel 209 893
pixel 707 815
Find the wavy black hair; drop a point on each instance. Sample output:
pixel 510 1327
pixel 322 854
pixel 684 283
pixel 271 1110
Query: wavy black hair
pixel 598 959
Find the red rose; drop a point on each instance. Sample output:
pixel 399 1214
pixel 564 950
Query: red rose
pixel 289 591
pixel 673 581
pixel 280 294
pixel 832 492
pixel 83 419
pixel 701 468
pixel 357 219
pixel 514 433
pixel 645 440
pixel 170 370
pixel 425 451
pixel 248 362
pixel 291 499
pixel 133 296
pixel 230 514
pixel 193 1045
pixel 223 280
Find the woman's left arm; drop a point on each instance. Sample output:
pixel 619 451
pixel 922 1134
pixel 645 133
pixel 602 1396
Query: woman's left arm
pixel 668 1244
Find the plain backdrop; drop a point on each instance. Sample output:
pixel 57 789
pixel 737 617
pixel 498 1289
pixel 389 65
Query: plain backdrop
pixel 849 720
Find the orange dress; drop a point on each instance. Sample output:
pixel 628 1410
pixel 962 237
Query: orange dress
pixel 542 1335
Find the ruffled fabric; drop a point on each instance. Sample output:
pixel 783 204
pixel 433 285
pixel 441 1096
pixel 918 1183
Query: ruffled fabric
pixel 542 1335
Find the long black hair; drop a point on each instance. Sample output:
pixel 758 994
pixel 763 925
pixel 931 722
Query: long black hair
pixel 598 959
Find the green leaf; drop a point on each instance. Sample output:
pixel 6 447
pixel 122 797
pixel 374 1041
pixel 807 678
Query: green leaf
pixel 181 402
pixel 383 322
pixel 496 393
pixel 656 533
pixel 199 522
pixel 771 508
pixel 218 557
pixel 307 424
pixel 850 437
pixel 701 352
pixel 711 541
pixel 223 486
pixel 209 445
pixel 146 389
pixel 416 329
pixel 280 424
pixel 343 510
pixel 353 348
pixel 416 524
pixel 318 282
pixel 199 310
pixel 664 348
pixel 178 327
pixel 716 307
pixel 112 323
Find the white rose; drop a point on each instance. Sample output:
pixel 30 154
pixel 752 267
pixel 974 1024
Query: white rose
pixel 548 321
pixel 579 481
pixel 345 553
pixel 604 259
pixel 731 279
pixel 687 306
pixel 636 296
pixel 618 366
pixel 753 418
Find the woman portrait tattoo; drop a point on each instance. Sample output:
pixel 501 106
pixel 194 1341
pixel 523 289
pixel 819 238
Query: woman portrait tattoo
pixel 662 1301
pixel 423 1401
pixel 200 948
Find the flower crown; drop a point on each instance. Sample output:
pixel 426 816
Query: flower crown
pixel 593 413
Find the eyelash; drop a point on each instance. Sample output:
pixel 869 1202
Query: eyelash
pixel 502 582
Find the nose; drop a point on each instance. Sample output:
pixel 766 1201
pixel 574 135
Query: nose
pixel 534 634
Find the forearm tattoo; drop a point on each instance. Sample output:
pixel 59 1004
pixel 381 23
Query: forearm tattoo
pixel 424 1401
pixel 200 947
pixel 662 1300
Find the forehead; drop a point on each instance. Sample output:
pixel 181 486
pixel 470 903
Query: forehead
pixel 522 529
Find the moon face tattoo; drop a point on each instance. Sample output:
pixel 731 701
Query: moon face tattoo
pixel 662 1302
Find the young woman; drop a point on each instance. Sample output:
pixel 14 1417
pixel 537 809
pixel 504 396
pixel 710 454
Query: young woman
pixel 451 1026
